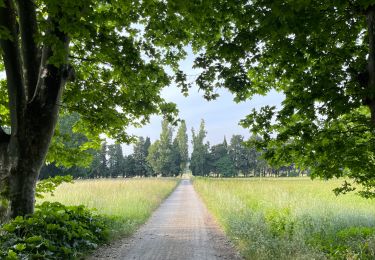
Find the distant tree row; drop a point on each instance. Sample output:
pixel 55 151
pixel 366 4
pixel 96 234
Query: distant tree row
pixel 167 156
pixel 238 158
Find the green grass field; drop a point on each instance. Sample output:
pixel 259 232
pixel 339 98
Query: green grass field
pixel 129 202
pixel 291 218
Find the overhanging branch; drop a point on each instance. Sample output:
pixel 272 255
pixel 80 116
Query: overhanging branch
pixel 12 62
pixel 51 79
pixel 370 15
pixel 28 29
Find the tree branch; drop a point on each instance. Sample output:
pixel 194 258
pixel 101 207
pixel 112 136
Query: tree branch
pixel 12 62
pixel 88 59
pixel 51 79
pixel 28 29
pixel 370 15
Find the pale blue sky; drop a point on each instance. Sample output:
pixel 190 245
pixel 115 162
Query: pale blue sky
pixel 221 115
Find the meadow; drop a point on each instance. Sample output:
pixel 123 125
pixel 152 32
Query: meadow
pixel 291 218
pixel 128 202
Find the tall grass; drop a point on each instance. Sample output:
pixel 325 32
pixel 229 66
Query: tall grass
pixel 291 218
pixel 128 202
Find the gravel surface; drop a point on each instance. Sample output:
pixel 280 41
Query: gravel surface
pixel 181 228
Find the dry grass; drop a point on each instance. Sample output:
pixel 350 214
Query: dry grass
pixel 291 218
pixel 129 201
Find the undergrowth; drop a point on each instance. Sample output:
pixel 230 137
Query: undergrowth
pixel 54 231
pixel 61 230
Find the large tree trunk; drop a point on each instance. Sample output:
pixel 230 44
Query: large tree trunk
pixel 26 150
pixel 370 100
pixel 4 176
pixel 29 151
pixel 34 91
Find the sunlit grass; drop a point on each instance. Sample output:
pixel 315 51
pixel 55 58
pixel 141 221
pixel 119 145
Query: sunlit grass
pixel 291 218
pixel 129 201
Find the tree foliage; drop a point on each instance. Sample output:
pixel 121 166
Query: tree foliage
pixel 90 57
pixel 106 61
pixel 199 163
pixel 183 147
pixel 220 161
pixel 141 166
pixel 319 54
pixel 115 160
pixel 164 156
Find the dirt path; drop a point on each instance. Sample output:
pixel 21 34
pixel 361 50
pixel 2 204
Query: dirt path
pixel 180 228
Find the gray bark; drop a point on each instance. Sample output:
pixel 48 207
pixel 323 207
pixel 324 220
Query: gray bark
pixel 370 15
pixel 34 89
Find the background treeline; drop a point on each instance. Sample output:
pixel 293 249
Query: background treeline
pixel 167 156
pixel 234 159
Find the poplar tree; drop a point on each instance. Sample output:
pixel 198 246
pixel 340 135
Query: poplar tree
pixel 199 165
pixel 183 147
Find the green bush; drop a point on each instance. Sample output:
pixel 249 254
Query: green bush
pixel 54 231
pixel 347 243
pixel 279 221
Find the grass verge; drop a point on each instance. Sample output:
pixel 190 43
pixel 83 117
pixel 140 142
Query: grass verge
pixel 127 203
pixel 291 218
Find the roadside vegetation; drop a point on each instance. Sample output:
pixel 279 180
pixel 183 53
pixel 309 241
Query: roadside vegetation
pixel 291 218
pixel 129 203
pixel 78 217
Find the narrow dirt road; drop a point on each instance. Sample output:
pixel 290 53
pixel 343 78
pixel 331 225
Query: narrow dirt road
pixel 181 228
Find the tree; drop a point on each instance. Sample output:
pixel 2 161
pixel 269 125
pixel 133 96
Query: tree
pixel 319 54
pixel 200 155
pixel 218 159
pixel 115 160
pixel 129 167
pixel 253 158
pixel 74 150
pixel 141 166
pixel 153 157
pixel 161 153
pixel 238 154
pixel 103 162
pixel 146 146
pixel 110 72
pixel 183 148
pixel 225 167
pixel 176 158
pixel 99 164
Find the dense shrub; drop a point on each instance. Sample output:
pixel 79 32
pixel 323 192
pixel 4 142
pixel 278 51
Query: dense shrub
pixel 348 243
pixel 54 231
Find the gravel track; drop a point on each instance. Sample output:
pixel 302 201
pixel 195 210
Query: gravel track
pixel 181 228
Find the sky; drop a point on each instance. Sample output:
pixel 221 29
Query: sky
pixel 221 115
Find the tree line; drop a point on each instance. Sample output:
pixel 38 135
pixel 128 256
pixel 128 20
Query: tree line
pixel 167 156
pixel 239 158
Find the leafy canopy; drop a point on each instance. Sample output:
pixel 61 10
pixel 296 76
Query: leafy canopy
pixel 317 53
pixel 118 71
